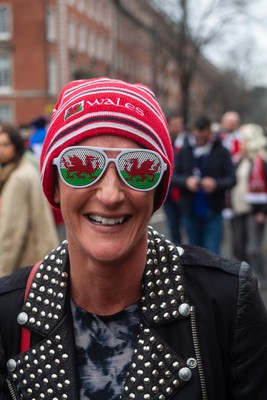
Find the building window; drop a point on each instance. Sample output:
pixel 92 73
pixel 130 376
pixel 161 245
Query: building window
pixel 6 114
pixel 5 22
pixel 52 76
pixel 90 8
pixel 72 33
pixel 81 5
pixel 98 11
pixel 108 16
pixel 92 44
pixel 82 39
pixel 100 48
pixel 51 25
pixel 5 73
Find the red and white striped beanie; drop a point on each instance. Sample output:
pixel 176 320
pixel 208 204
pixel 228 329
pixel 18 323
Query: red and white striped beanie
pixel 105 106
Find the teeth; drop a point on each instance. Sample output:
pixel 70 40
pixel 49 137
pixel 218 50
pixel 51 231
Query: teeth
pixel 106 221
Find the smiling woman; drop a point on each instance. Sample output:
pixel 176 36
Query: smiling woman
pixel 111 312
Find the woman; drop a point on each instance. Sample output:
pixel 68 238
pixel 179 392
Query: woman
pixel 117 311
pixel 27 229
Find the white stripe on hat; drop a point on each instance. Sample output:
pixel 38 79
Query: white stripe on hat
pixel 152 106
pixel 103 124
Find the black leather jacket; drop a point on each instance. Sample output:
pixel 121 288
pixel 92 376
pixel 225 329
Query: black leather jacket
pixel 203 330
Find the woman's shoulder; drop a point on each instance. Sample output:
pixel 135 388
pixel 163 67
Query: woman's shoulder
pixel 14 282
pixel 200 257
pixel 23 176
pixel 210 276
pixel 12 289
pixel 26 167
pixel 23 168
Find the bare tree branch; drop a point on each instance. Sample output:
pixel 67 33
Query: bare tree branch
pixel 198 26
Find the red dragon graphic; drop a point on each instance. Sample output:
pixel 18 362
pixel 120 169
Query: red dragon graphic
pixel 75 165
pixel 144 170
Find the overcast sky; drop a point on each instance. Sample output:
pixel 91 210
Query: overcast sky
pixel 247 44
pixel 244 47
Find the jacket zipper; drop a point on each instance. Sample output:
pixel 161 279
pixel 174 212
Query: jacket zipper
pixel 11 390
pixel 198 356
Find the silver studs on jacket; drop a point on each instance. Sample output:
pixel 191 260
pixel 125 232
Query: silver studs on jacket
pixel 43 371
pixel 155 372
pixel 163 283
pixel 38 375
pixel 46 296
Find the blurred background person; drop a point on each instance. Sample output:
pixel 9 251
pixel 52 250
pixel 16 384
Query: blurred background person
pixel 39 128
pixel 27 228
pixel 230 134
pixel 203 171
pixel 249 200
pixel 172 205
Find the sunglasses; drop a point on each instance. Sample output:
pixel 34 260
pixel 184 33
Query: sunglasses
pixel 82 166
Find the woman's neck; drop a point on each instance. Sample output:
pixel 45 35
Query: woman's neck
pixel 105 289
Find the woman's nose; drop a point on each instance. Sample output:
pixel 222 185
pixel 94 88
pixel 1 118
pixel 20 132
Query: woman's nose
pixel 110 187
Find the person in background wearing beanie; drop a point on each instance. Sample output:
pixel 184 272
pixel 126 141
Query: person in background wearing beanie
pixel 117 311
pixel 27 229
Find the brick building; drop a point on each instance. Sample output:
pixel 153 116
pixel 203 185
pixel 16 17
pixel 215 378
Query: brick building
pixel 46 43
pixel 23 75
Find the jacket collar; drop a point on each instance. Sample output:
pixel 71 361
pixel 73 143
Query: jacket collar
pixel 156 371
pixel 46 311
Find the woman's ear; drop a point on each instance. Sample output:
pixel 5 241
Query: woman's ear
pixel 56 196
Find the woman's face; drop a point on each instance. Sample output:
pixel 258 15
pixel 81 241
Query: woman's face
pixel 108 220
pixel 7 149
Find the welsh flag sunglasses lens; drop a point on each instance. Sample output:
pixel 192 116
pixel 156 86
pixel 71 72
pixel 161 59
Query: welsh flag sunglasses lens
pixel 141 170
pixel 81 167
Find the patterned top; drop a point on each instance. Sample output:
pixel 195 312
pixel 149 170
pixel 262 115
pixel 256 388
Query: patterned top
pixel 104 348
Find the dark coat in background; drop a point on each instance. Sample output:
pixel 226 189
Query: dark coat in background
pixel 219 167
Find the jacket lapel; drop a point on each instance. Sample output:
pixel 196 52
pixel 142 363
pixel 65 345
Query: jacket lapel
pixel 48 368
pixel 156 371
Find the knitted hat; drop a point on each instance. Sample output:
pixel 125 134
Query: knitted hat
pixel 103 106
